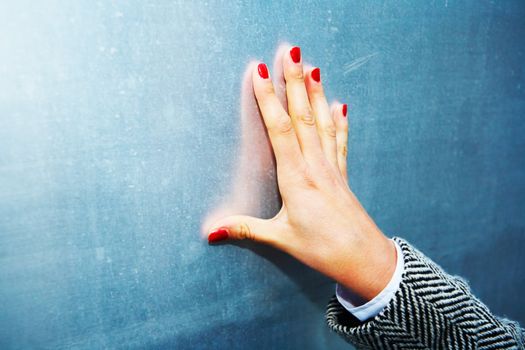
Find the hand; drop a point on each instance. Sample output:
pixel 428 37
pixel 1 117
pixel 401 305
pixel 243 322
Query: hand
pixel 321 222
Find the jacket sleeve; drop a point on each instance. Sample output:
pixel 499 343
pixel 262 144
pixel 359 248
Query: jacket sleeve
pixel 430 310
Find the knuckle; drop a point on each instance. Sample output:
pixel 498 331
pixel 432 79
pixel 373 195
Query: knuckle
pixel 307 117
pixel 268 89
pixel 308 178
pixel 309 182
pixel 344 150
pixel 283 125
pixel 296 74
pixel 245 232
pixel 329 130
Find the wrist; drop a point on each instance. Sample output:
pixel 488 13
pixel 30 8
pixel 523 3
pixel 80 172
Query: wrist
pixel 370 270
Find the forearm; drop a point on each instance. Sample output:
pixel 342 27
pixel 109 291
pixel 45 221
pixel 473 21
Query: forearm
pixel 431 309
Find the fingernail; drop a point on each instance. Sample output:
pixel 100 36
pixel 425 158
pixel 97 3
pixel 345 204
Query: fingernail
pixel 316 75
pixel 295 52
pixel 345 109
pixel 263 70
pixel 218 235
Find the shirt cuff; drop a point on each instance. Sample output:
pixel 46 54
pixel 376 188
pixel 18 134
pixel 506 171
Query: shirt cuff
pixel 374 306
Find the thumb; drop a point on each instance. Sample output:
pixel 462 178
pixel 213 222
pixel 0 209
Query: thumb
pixel 240 227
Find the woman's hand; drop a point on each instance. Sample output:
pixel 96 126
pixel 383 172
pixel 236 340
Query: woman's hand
pixel 321 222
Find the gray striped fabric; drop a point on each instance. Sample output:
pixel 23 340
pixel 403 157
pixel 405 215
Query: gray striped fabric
pixel 430 310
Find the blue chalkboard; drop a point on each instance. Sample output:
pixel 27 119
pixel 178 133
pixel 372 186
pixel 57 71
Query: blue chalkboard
pixel 120 127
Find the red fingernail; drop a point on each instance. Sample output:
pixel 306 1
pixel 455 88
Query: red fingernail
pixel 263 70
pixel 345 108
pixel 316 75
pixel 295 52
pixel 218 235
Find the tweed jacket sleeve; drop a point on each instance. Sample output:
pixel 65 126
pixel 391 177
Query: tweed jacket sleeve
pixel 430 310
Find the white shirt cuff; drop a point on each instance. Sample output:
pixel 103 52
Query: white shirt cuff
pixel 374 306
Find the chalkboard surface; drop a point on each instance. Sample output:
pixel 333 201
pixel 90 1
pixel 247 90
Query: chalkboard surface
pixel 119 130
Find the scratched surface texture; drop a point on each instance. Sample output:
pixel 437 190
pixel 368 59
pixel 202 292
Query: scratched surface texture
pixel 119 132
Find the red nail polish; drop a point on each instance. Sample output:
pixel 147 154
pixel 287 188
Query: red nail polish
pixel 345 109
pixel 295 52
pixel 263 70
pixel 316 75
pixel 218 235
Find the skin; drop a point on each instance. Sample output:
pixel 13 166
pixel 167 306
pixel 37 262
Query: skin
pixel 321 222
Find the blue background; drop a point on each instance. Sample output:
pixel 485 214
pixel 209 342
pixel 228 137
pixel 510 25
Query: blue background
pixel 118 130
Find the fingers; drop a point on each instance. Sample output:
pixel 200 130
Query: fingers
pixel 253 133
pixel 325 124
pixel 278 75
pixel 339 112
pixel 303 117
pixel 280 129
pixel 239 227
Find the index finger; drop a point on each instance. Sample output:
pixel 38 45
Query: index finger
pixel 278 123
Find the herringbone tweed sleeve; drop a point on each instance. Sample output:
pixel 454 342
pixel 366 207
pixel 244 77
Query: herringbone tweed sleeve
pixel 430 310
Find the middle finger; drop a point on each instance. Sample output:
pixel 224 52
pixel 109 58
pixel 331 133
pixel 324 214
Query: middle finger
pixel 299 108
